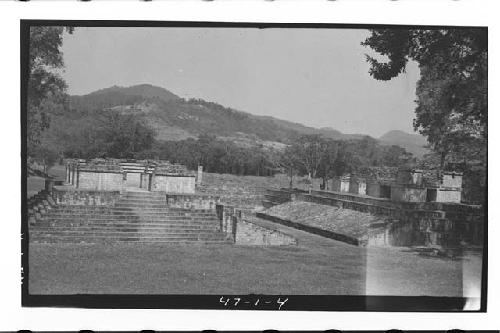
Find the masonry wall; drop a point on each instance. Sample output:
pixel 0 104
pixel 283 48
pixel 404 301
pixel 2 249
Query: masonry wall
pixel 144 180
pixel 452 181
pixel 409 177
pixel 448 196
pixel 85 198
pixel 174 184
pixel 248 233
pixel 188 201
pixel 133 179
pixel 100 181
pixel 357 187
pixel 373 190
pixel 340 185
pixel 408 194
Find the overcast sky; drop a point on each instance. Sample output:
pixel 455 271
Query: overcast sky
pixel 317 77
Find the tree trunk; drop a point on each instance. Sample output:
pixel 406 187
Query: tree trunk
pixel 443 156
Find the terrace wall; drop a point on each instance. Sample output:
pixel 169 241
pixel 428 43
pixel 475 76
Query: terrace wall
pixel 174 183
pixel 189 201
pixel 448 195
pixel 408 193
pixel 248 233
pixel 99 180
pixel 85 198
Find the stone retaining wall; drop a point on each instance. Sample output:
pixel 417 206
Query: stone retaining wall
pixel 311 229
pixel 174 183
pixel 99 181
pixel 192 201
pixel 85 198
pixel 404 211
pixel 244 232
pixel 248 233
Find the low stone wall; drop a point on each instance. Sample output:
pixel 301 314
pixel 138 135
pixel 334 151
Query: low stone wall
pixel 133 179
pixel 244 232
pixel 248 233
pixel 85 198
pixel 174 183
pixel 443 195
pixel 228 217
pixel 38 205
pixel 408 194
pixel 397 210
pixel 99 180
pixel 192 201
pixel 311 229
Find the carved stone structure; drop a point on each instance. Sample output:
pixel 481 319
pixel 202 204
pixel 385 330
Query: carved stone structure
pixel 404 184
pixel 117 175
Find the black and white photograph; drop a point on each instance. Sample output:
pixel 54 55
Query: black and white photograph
pixel 254 166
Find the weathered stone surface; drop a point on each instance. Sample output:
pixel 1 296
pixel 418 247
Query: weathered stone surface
pixel 174 183
pixel 248 233
pixel 192 201
pixel 100 181
pixel 85 198
pixel 342 221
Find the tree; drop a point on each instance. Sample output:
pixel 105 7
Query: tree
pixel 452 90
pixel 327 165
pixel 309 150
pixel 44 82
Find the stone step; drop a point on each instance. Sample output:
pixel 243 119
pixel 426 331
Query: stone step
pixel 126 211
pixel 139 206
pixel 130 228
pixel 143 194
pixel 119 233
pixel 142 202
pixel 105 240
pixel 129 236
pixel 125 224
pixel 111 220
pixel 117 212
pixel 129 216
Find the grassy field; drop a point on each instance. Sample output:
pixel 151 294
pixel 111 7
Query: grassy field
pixel 316 266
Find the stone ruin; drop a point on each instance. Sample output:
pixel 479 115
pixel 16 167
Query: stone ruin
pixel 117 175
pixel 403 184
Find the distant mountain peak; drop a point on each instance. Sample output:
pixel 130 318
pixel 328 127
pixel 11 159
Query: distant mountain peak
pixel 144 90
pixel 414 143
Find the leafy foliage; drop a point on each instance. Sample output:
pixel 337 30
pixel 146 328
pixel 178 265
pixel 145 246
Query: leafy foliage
pixel 452 91
pixel 45 86
pixel 326 158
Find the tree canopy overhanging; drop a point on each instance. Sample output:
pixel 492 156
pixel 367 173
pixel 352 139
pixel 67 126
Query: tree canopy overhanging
pixel 452 95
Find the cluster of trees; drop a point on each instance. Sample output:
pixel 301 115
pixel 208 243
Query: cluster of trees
pixel 452 92
pixel 93 134
pixel 215 155
pixel 319 157
pixel 451 112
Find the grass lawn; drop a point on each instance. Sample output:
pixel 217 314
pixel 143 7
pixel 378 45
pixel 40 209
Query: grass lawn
pixel 316 266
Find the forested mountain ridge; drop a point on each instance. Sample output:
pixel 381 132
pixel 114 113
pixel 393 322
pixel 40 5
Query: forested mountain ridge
pixel 174 118
pixel 413 143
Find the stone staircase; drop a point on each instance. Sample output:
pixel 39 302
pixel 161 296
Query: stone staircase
pixel 138 216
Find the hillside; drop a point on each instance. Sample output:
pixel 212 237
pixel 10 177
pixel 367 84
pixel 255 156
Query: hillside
pixel 414 143
pixel 174 118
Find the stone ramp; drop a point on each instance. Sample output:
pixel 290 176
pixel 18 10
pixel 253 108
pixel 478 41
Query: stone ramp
pixel 138 216
pixel 336 223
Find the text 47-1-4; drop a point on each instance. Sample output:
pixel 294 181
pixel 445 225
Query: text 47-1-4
pixel 254 302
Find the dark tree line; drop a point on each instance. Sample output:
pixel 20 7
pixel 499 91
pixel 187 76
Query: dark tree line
pixel 318 157
pixel 215 155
